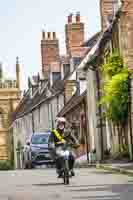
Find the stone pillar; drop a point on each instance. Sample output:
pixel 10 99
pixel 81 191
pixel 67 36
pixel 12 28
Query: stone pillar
pixel 17 73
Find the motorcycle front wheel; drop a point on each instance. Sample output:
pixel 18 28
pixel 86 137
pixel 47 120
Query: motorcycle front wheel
pixel 66 172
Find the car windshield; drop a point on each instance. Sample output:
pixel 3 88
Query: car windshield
pixel 40 139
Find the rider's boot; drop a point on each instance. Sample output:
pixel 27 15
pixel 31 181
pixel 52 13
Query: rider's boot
pixel 72 172
pixel 60 173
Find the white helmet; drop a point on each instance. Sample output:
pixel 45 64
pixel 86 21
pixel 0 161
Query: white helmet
pixel 60 123
pixel 60 119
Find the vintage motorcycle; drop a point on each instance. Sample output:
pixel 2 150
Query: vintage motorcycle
pixel 63 152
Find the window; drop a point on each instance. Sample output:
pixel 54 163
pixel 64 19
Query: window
pixel 56 76
pixel 76 130
pixel 76 61
pixel 66 69
pixel 40 139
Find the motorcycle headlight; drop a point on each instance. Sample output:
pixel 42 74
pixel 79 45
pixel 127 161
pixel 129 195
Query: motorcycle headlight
pixel 66 153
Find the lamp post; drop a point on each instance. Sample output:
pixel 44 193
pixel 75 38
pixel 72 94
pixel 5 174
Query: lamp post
pixel 33 126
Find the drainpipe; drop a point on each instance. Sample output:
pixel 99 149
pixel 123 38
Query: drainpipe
pixel 86 135
pixel 99 112
pixel 52 120
pixel 33 126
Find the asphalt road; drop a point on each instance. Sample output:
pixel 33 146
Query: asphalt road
pixel 89 184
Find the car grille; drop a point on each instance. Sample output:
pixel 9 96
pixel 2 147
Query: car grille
pixel 43 157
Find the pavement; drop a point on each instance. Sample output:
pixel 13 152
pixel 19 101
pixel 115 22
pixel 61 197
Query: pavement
pixel 42 184
pixel 121 167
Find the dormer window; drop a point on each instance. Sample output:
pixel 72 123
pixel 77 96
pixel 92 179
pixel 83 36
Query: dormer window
pixel 48 93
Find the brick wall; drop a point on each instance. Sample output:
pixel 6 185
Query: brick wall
pixel 49 50
pixel 74 31
pixel 106 9
pixel 126 28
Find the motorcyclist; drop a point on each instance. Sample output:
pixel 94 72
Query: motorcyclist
pixel 57 137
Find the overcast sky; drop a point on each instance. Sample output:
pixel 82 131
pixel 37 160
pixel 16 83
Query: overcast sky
pixel 21 22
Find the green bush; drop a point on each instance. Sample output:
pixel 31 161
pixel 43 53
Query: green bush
pixel 5 165
pixel 115 89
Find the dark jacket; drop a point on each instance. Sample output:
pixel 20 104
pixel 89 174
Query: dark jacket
pixel 68 136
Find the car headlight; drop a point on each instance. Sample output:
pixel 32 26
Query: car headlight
pixel 33 154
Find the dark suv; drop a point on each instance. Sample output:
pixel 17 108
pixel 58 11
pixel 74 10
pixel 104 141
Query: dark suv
pixel 36 151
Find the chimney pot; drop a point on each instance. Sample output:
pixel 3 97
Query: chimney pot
pixel 70 18
pixel 49 35
pixel 17 60
pixel 54 35
pixel 78 17
pixel 43 35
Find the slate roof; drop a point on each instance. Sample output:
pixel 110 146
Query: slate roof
pixel 28 103
pixel 58 86
pixel 90 42
pixel 72 103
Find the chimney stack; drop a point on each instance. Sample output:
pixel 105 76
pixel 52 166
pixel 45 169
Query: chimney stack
pixel 43 35
pixel 70 89
pixel 107 12
pixel 49 52
pixel 70 18
pixel 49 35
pixel 78 17
pixel 54 35
pixel 74 34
